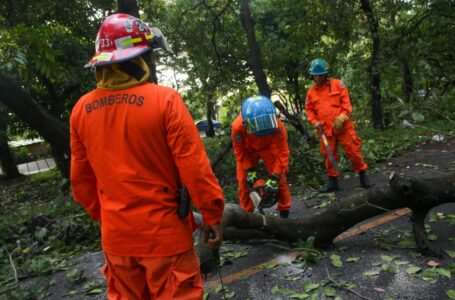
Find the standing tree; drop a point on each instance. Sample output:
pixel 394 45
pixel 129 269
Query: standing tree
pixel 373 67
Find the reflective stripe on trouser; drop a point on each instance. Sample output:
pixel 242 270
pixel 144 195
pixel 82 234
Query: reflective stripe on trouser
pixel 351 144
pixel 284 202
pixel 167 277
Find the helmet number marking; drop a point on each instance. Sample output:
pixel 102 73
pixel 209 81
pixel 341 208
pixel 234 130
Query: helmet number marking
pixel 104 43
pixel 140 25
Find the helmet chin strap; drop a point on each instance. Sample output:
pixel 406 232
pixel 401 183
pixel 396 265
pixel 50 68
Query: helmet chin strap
pixel 132 69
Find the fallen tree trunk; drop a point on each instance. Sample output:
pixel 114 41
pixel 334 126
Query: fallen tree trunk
pixel 418 195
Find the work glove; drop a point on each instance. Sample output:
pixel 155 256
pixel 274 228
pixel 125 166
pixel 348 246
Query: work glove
pixel 271 185
pixel 316 127
pixel 251 177
pixel 339 121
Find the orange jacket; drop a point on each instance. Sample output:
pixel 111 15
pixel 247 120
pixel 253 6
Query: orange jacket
pixel 131 150
pixel 245 143
pixel 325 103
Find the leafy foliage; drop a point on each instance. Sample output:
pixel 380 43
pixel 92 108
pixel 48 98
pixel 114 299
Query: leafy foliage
pixel 40 227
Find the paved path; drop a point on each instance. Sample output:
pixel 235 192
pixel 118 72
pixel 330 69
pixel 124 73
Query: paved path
pixel 34 167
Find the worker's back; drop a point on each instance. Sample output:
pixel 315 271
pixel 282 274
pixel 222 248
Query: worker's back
pixel 126 134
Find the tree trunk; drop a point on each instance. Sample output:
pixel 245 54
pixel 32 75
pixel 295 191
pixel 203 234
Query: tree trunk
pixel 8 164
pixel 407 79
pixel 293 119
pixel 54 131
pixel 221 154
pixel 128 7
pixel 209 114
pixel 373 70
pixel 254 49
pixel 418 195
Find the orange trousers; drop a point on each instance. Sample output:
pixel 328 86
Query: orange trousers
pixel 141 278
pixel 284 201
pixel 351 144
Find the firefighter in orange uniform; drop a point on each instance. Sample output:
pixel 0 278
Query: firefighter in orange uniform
pixel 133 145
pixel 258 134
pixel 328 105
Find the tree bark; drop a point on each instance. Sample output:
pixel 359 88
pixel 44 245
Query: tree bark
pixel 7 161
pixel 221 154
pixel 407 79
pixel 54 131
pixel 128 7
pixel 209 114
pixel 254 49
pixel 293 119
pixel 373 69
pixel 418 195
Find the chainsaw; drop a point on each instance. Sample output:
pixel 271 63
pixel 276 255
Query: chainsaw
pixel 260 198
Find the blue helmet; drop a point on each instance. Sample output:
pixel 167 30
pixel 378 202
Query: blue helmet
pixel 258 113
pixel 318 66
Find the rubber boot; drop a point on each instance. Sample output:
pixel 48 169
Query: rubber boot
pixel 365 182
pixel 331 186
pixel 284 214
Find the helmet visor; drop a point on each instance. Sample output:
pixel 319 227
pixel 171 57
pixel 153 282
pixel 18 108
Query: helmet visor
pixel 260 123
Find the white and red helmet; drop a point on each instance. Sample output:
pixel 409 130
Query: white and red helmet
pixel 122 37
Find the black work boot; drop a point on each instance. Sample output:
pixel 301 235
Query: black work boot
pixel 284 214
pixel 331 186
pixel 365 182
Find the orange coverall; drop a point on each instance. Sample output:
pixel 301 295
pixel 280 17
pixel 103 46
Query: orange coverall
pixel 323 104
pixel 131 150
pixel 274 151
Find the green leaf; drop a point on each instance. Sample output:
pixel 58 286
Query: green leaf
pixel 392 269
pixel 219 289
pixel 450 253
pixel 443 272
pixel 350 285
pixel 387 258
pixel 451 294
pixel 413 269
pixel 275 289
pixel 41 234
pixel 95 291
pixel 329 292
pixel 417 117
pixel 371 273
pixel 308 286
pixel 336 261
pixel 292 277
pixel 309 243
pixel 230 295
pixel 352 259
pixel 299 296
pixel 432 237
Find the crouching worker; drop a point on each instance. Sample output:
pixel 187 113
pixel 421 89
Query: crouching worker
pixel 328 107
pixel 133 146
pixel 258 134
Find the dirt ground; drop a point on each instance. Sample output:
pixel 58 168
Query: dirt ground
pixel 378 263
